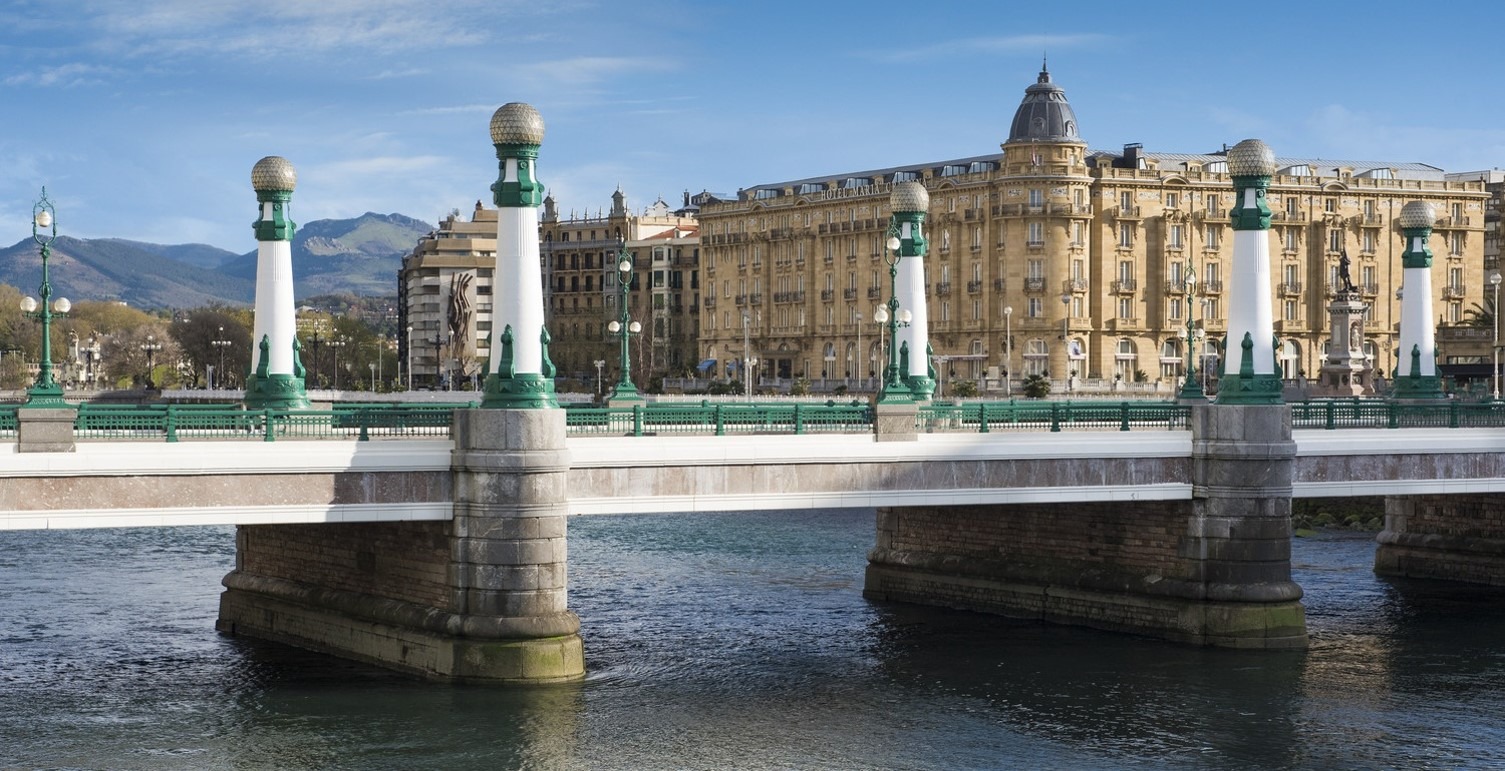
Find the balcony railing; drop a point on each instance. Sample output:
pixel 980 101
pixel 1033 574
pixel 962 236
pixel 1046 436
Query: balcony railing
pixel 1124 286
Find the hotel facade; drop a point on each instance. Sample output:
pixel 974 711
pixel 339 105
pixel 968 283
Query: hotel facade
pixel 1049 258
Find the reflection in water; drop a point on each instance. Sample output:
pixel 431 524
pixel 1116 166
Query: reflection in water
pixel 736 641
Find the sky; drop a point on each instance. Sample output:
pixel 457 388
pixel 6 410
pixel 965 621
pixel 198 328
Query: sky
pixel 143 119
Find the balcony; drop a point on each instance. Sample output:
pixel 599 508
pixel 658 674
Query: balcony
pixel 1211 287
pixel 943 288
pixel 1124 286
pixel 1452 292
pixel 757 298
pixel 1288 216
pixel 1288 289
pixel 998 284
pixel 741 300
pixel 1451 222
pixel 874 293
pixel 1126 213
pixel 710 303
pixel 974 286
pixel 827 295
pixel 850 293
pixel 1175 287
pixel 1074 285
pixel 1122 325
pixel 1034 285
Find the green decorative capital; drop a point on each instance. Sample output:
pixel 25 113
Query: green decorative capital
pixel 1418 253
pixel 279 227
pixel 526 190
pixel 507 389
pixel 915 245
pixel 276 392
pixel 1256 217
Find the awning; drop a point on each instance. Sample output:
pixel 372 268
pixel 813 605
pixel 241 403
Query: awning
pixel 705 364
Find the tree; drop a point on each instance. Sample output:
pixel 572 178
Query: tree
pixel 1037 386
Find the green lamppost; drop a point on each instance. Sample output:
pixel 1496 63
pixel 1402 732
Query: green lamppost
pixel 1191 390
pixel 624 328
pixel 45 392
pixel 1249 373
pixel 894 390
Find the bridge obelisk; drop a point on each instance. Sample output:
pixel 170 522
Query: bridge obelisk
pixel 1416 375
pixel 276 377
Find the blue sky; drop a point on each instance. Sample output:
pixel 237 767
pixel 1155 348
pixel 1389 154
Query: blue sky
pixel 143 118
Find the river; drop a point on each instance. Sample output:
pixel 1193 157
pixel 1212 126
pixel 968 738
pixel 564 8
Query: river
pixel 737 641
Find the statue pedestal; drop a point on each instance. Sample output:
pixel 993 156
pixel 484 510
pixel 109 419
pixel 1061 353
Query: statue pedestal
pixel 1345 369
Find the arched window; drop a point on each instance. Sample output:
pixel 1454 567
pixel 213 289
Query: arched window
pixel 1290 360
pixel 1125 360
pixel 1036 357
pixel 1170 359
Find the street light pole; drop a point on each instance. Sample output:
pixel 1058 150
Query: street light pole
pixel 45 391
pixel 410 357
pixel 624 327
pixel 221 344
pixel 335 346
pixel 1065 341
pixel 1008 349
pixel 746 359
pixel 1190 390
pixel 151 346
pixel 1494 318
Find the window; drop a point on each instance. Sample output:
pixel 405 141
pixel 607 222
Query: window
pixel 1368 241
pixel 1034 308
pixel 1366 277
pixel 1291 274
pixel 1457 213
pixel 1455 243
pixel 1290 310
pixel 1126 270
pixel 1291 203
pixel 1125 234
pixel 1079 270
pixel 1212 237
pixel 1291 244
pixel 1125 200
pixel 1334 239
pixel 1036 234
pixel 1125 308
pixel 1175 310
pixel 1212 201
pixel 1036 197
pixel 1035 269
pixel 1175 237
pixel 1455 279
pixel 1330 205
pixel 1171 200
pixel 976 238
pixel 1076 234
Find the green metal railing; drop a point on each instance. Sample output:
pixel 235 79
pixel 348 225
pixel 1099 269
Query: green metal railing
pixel 1334 414
pixel 986 417
pixel 177 422
pixel 720 419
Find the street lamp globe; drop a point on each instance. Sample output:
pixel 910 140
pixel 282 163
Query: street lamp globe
pixel 634 327
pixel 893 243
pixel 29 304
pixel 614 327
pixel 44 219
pixel 62 305
pixel 880 315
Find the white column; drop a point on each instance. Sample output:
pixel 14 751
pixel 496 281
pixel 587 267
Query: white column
pixel 911 291
pixel 1250 307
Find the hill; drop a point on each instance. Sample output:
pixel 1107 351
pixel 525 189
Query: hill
pixel 359 256
pixel 355 256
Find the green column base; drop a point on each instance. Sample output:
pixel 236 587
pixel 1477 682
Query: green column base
pixel 527 391
pixel 624 395
pixel 922 386
pixel 45 396
pixel 276 392
pixel 1418 387
pixel 1250 389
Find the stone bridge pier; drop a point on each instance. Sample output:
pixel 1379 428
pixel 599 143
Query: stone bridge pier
pixel 1215 570
pixel 481 598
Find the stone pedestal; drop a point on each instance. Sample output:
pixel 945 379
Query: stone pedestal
pixel 1345 370
pixel 895 422
pixel 481 598
pixel 45 429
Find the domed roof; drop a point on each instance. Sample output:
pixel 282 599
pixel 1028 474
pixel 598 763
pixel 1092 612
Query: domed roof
pixel 273 173
pixel 515 123
pixel 1417 214
pixel 1044 115
pixel 909 196
pixel 1251 158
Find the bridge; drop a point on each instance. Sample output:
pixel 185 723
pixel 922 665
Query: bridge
pixel 359 526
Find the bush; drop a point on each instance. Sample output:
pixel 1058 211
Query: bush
pixel 964 388
pixel 800 387
pixel 1036 387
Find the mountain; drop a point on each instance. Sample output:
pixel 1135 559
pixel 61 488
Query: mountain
pixel 200 255
pixel 114 269
pixel 358 256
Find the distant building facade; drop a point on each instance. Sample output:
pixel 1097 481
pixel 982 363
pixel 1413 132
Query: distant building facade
pixel 1087 259
pixel 445 297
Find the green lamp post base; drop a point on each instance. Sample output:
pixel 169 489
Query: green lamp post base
pixel 276 392
pixel 1191 391
pixel 50 395
pixel 525 391
pixel 1418 388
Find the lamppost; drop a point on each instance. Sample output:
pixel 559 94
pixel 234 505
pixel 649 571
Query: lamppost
pixel 600 367
pixel 1494 319
pixel 410 357
pixel 893 389
pixel 624 328
pixel 150 347
pixel 221 344
pixel 1065 341
pixel 747 358
pixel 1008 349
pixel 335 346
pixel 372 367
pixel 45 391
pixel 1191 391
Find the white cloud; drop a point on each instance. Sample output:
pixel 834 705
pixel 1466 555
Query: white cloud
pixel 1353 135
pixel 585 70
pixel 64 76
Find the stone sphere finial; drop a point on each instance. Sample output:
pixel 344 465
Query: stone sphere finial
pixel 1251 158
pixel 1417 214
pixel 909 196
pixel 516 123
pixel 273 173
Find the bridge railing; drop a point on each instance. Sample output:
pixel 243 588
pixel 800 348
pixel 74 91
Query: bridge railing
pixel 719 419
pixel 987 417
pixel 177 422
pixel 1334 414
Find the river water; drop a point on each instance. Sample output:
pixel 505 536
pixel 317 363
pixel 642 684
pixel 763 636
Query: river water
pixel 737 641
